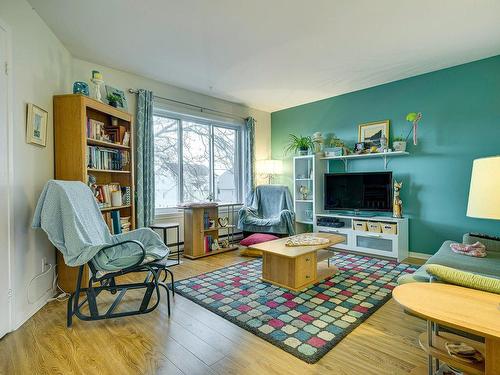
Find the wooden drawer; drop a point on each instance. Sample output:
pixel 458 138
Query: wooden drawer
pixel 305 269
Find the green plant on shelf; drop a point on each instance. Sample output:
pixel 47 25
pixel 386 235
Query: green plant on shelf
pixel 300 144
pixel 114 100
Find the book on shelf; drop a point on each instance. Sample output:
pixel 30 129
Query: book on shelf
pixel 112 220
pixel 116 225
pixel 208 243
pixel 107 158
pixel 206 220
pixel 103 193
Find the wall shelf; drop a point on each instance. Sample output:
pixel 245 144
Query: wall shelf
pixel 382 155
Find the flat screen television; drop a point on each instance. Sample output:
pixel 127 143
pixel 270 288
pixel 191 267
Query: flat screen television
pixel 366 191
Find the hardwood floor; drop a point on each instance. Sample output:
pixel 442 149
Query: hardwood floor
pixel 196 341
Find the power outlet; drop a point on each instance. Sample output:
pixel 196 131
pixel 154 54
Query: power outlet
pixel 44 264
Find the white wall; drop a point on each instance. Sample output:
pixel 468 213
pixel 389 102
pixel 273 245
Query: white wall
pixel 41 68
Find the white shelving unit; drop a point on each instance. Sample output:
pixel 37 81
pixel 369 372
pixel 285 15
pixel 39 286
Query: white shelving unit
pixel 365 242
pixel 304 175
pixel 382 155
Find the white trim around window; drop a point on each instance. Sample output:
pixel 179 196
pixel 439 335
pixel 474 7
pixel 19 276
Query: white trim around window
pixel 213 126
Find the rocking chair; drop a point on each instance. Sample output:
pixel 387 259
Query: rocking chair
pixel 67 211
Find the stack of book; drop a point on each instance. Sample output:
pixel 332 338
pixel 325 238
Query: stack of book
pixel 107 158
pixel 113 221
pixel 125 224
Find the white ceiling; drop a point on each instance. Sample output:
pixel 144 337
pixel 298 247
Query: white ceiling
pixel 275 54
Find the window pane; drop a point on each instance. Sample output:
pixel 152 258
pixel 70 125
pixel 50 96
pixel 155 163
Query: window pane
pixel 166 154
pixel 196 163
pixel 225 141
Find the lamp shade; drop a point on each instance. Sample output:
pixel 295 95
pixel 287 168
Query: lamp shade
pixel 484 193
pixel 269 167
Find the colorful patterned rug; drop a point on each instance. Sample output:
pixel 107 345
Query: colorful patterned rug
pixel 306 324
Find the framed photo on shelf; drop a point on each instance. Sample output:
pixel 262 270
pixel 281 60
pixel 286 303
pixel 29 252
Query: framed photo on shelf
pixel 370 133
pixel 36 125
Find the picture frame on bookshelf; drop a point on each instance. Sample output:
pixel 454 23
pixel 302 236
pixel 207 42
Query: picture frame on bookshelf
pixel 122 102
pixel 36 125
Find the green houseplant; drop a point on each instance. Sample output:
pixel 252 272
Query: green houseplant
pixel 114 100
pixel 300 144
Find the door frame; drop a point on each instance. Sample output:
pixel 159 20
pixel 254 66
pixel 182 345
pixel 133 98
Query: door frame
pixel 10 175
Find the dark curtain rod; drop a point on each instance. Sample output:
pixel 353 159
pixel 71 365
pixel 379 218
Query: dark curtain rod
pixel 202 109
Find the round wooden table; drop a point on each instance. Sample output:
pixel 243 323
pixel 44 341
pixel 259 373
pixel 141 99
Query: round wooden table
pixel 465 309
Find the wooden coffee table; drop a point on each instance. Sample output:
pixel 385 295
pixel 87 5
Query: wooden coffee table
pixel 296 267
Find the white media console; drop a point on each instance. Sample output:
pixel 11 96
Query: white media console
pixel 392 242
pixel 358 239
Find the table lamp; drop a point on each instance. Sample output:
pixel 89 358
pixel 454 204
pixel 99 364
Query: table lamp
pixel 484 193
pixel 269 168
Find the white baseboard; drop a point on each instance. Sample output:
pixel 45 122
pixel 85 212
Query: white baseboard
pixel 34 309
pixel 413 254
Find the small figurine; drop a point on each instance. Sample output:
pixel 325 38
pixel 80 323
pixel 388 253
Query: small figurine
pixel 304 191
pixel 215 245
pixel 318 142
pixel 397 206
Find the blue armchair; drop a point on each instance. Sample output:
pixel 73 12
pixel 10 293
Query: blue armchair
pixel 270 210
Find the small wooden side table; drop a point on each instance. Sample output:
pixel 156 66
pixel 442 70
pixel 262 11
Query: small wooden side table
pixel 465 309
pixel 165 227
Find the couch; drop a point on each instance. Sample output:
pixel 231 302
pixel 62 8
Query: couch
pixel 487 266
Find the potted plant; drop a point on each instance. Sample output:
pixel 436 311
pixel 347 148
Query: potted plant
pixel 114 100
pixel 399 144
pixel 300 144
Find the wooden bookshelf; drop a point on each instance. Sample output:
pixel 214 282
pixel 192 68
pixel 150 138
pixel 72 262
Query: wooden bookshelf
pixel 194 232
pixel 70 143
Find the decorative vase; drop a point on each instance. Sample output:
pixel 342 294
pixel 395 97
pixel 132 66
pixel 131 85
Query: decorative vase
pixel 303 151
pixel 80 87
pixel 399 145
pixel 318 142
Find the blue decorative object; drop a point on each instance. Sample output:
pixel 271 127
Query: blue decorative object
pixel 81 88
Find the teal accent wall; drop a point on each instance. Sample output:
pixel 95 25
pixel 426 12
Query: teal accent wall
pixel 461 122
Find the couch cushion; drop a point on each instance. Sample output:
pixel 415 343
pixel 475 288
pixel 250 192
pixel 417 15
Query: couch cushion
pixel 463 278
pixel 256 238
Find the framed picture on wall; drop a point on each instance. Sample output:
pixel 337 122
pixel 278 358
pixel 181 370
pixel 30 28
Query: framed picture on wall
pixel 371 132
pixel 36 125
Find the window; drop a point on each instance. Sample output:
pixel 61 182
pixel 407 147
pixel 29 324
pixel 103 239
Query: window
pixel 195 159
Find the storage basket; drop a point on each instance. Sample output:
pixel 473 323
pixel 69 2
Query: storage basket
pixel 374 226
pixel 359 225
pixel 389 228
